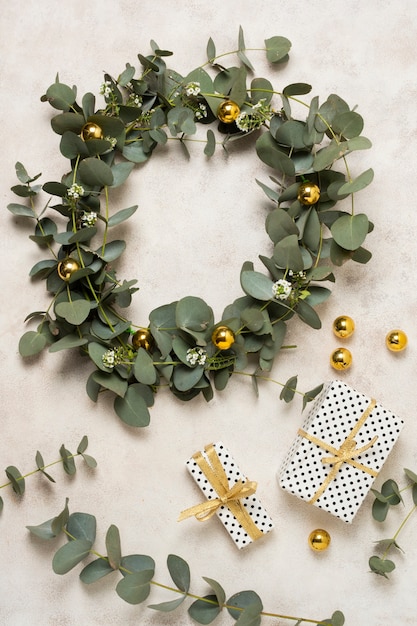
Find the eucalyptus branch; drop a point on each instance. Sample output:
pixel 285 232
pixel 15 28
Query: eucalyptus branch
pixel 388 497
pixel 17 479
pixel 138 574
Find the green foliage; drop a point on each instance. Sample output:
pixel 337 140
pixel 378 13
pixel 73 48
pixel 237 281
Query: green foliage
pixel 16 480
pixel 137 574
pixel 390 496
pixel 299 141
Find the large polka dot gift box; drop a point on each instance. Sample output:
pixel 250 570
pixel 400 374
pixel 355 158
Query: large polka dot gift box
pixel 229 495
pixel 339 450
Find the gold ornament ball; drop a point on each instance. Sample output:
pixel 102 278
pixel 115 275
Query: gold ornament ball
pixel 396 340
pixel 66 268
pixel 308 193
pixel 228 111
pixel 142 339
pixel 319 540
pixel 223 337
pixel 91 131
pixel 341 359
pixel 343 326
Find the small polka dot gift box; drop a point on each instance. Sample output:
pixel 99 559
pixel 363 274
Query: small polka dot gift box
pixel 339 451
pixel 229 495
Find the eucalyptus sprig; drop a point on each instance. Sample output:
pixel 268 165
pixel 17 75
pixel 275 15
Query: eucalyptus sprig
pixel 179 346
pixel 390 496
pixel 17 479
pixel 137 575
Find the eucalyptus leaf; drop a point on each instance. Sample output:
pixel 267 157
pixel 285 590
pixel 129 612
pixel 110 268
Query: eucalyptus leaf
pixel 95 570
pixel 112 382
pixel 256 285
pixel 95 172
pixel 167 607
pixel 243 600
pixel 16 479
pixel 204 611
pixel 287 254
pixel 132 408
pixel 137 563
pixel 279 225
pixel 68 462
pixel 31 343
pixel 68 342
pixel 179 571
pixel 69 555
pixel 277 49
pixel 362 181
pixel 349 231
pixel 144 368
pixel 82 526
pixel 114 550
pixel 382 567
pixel 74 312
pixel 134 588
pixel 60 96
pixel 21 210
pixel 269 151
pixel 43 531
pixel 289 389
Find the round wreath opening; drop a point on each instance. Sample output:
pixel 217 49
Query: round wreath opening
pixel 182 346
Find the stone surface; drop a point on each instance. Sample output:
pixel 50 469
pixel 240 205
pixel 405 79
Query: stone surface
pixel 364 52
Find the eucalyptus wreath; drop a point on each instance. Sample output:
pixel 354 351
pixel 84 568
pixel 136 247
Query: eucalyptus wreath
pixel 182 346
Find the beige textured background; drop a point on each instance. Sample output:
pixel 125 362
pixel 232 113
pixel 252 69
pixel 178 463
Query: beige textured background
pixel 197 222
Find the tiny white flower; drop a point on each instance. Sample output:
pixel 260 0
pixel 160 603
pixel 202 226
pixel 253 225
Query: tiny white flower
pixel 192 89
pixel 111 140
pixel 109 358
pixel 196 356
pixel 281 289
pixel 75 191
pixel 89 219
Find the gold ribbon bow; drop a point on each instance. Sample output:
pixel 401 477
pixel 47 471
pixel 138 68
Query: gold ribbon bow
pixel 226 496
pixel 345 454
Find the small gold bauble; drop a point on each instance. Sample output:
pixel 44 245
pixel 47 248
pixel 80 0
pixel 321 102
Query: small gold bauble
pixel 396 340
pixel 308 193
pixel 142 339
pixel 223 337
pixel 341 359
pixel 343 326
pixel 319 540
pixel 228 111
pixel 91 131
pixel 66 268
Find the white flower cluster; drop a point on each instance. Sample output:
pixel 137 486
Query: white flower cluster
pixel 281 289
pixel 192 89
pixel 134 100
pixel 112 357
pixel 255 117
pixel 201 111
pixel 75 191
pixel 89 218
pixel 111 140
pixel 105 88
pixel 196 356
pixel 298 275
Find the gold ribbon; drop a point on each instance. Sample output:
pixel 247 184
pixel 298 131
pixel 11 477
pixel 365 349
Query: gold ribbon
pixel 227 496
pixel 345 454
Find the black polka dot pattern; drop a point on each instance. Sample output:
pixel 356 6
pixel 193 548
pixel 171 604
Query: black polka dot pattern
pixel 251 503
pixel 334 413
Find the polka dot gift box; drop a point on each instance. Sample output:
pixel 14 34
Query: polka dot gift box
pixel 339 451
pixel 229 495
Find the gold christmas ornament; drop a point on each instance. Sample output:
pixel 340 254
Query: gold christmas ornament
pixel 319 540
pixel 228 111
pixel 341 359
pixel 396 340
pixel 91 131
pixel 142 339
pixel 223 337
pixel 308 193
pixel 66 268
pixel 343 326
